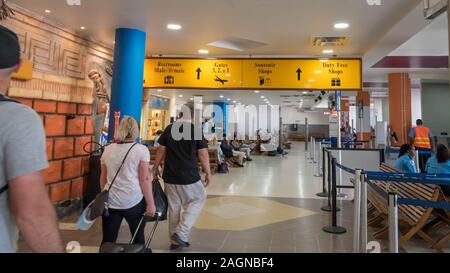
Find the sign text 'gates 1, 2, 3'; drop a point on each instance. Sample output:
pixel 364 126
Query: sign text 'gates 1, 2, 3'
pixel 308 74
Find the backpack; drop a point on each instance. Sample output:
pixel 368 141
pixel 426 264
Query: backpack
pixel 5 99
pixel 223 168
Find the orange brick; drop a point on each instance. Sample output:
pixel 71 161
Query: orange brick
pixel 80 142
pixel 89 126
pixel 77 188
pixel 26 102
pixel 55 125
pixel 72 168
pixel 84 109
pixel 75 127
pixel 53 173
pixel 44 106
pixel 63 148
pixel 49 149
pixel 67 108
pixel 60 192
pixel 85 166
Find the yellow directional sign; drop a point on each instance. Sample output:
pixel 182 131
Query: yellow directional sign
pixel 308 74
pixel 302 74
pixel 193 73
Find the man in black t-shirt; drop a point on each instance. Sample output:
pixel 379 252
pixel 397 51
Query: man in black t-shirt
pixel 182 145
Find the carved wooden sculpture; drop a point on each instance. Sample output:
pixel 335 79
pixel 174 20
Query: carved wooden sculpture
pixel 5 11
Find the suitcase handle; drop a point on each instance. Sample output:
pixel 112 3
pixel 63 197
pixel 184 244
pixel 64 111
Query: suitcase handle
pixel 158 216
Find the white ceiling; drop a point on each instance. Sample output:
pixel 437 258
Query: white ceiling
pixel 431 41
pixel 285 25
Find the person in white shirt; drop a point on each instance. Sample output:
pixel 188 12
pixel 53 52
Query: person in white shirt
pixel 131 194
pixel 206 126
pixel 158 135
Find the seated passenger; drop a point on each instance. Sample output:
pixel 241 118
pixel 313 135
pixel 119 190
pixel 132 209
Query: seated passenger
pixel 228 151
pixel 440 164
pixel 241 148
pixel 158 135
pixel 405 162
pixel 213 144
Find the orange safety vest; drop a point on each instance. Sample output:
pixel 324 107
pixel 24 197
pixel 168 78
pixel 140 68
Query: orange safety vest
pixel 422 139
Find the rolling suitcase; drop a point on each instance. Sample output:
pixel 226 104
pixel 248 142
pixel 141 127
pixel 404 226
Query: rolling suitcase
pixel 133 248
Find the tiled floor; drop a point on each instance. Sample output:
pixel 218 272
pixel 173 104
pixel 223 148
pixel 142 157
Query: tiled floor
pixel 268 207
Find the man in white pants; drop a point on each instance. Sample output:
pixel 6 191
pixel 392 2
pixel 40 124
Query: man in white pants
pixel 183 186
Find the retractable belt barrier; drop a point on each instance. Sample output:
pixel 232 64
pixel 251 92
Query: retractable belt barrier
pixel 394 200
pixel 362 180
pixel 349 170
pixel 396 152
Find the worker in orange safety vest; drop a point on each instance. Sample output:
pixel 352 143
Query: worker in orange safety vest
pixel 421 137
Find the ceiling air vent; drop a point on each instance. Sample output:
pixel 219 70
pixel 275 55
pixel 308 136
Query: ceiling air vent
pixel 329 41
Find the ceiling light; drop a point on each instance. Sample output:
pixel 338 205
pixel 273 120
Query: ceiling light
pixel 82 28
pixel 192 98
pixel 305 92
pixel 234 102
pixel 262 97
pixel 48 11
pixel 256 91
pixel 221 96
pixel 173 27
pixel 328 51
pixel 341 25
pixel 203 51
pixel 228 99
pixel 159 90
pixel 180 96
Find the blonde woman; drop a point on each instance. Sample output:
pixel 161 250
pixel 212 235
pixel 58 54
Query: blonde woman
pixel 131 194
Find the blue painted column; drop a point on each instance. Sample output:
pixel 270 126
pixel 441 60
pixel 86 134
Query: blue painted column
pixel 223 106
pixel 128 76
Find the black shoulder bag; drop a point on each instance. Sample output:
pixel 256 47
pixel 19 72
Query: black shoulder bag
pixel 5 99
pixel 100 205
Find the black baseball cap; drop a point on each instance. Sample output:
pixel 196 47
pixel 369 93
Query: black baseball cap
pixel 9 48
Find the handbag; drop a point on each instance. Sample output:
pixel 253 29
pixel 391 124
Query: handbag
pixel 160 199
pixel 100 205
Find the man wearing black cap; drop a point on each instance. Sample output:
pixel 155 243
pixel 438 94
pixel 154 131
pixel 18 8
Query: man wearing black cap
pixel 24 201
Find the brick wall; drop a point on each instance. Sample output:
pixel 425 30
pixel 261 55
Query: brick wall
pixel 62 94
pixel 68 127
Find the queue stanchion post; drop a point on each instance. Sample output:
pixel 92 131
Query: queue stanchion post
pixel 393 222
pixel 328 208
pixel 357 214
pixel 334 228
pixel 318 174
pixel 417 161
pixel 324 192
pixel 364 202
pixel 313 149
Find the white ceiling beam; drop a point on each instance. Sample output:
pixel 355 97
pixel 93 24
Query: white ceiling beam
pixel 406 28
